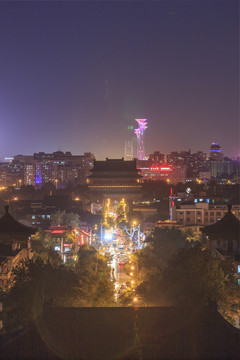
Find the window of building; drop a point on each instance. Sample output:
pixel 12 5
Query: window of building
pixel 198 219
pixel 211 220
pixel 199 213
pixel 218 213
pixel 188 219
pixel 211 213
pixel 188 212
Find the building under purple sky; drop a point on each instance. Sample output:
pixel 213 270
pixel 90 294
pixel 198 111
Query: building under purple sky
pixel 75 76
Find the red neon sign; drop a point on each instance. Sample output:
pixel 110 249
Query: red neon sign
pixel 166 168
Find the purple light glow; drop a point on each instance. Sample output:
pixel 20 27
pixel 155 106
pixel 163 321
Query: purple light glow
pixel 142 126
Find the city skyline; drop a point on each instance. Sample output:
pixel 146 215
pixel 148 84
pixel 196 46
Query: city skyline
pixel 75 76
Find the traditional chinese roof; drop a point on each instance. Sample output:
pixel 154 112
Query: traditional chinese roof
pixel 10 226
pixel 112 168
pixel 228 227
pixel 64 229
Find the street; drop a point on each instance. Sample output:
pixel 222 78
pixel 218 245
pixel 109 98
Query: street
pixel 118 255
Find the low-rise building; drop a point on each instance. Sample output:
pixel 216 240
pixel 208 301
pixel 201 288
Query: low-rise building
pixel 67 240
pixel 14 246
pixel 202 213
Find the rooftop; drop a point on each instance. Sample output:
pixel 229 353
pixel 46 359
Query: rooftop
pixel 8 225
pixel 228 227
pixel 115 165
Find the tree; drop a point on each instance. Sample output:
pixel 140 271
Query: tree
pixel 193 277
pixel 61 218
pixel 94 275
pixel 165 242
pixel 72 219
pixel 229 307
pixel 36 284
pixel 42 246
pixel 58 218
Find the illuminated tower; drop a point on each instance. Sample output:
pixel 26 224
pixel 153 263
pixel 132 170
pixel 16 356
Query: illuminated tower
pixel 142 126
pixel 128 150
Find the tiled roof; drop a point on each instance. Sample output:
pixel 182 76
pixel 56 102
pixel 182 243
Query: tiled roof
pixel 228 227
pixel 8 225
pixel 115 165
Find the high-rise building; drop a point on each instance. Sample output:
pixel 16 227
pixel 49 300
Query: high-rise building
pixel 29 174
pixel 156 159
pixel 128 150
pixel 215 152
pixel 195 162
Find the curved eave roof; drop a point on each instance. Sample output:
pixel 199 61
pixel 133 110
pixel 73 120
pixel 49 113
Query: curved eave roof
pixel 111 175
pixel 227 227
pixel 8 225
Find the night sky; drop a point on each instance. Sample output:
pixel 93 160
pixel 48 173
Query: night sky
pixel 75 75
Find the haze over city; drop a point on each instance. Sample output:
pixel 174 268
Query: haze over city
pixel 76 75
pixel 119 179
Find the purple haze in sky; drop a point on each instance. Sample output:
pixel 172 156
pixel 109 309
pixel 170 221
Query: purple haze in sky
pixel 75 75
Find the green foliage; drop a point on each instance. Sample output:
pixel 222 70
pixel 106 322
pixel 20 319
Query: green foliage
pixel 191 236
pixel 149 263
pixel 180 273
pixel 194 277
pixel 94 275
pixel 65 219
pixel 35 284
pixel 162 244
pixel 126 298
pixel 47 255
pixel 42 246
pixel 109 222
pixel 229 306
pixel 165 242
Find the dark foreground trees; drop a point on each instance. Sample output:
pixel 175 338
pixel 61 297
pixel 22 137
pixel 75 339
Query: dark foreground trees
pixel 37 284
pixel 192 278
pixel 151 260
